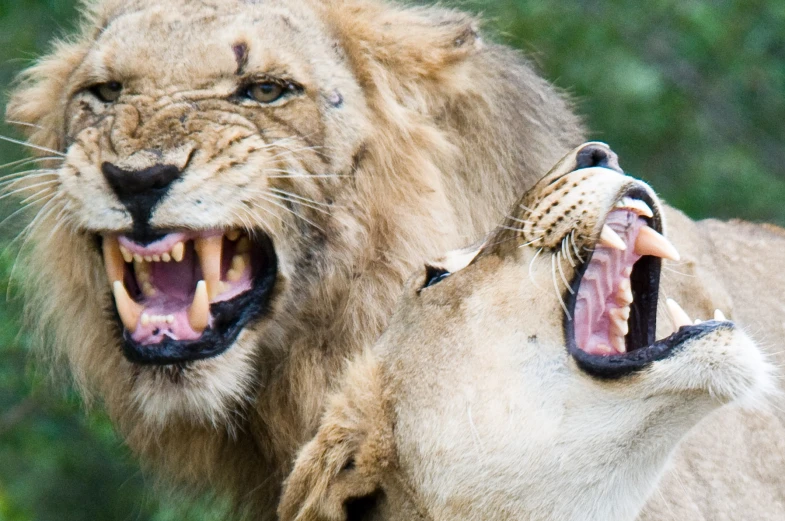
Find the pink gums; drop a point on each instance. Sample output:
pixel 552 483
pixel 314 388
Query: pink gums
pixel 600 283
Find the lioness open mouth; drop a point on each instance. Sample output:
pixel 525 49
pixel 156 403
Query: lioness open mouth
pixel 187 295
pixel 613 308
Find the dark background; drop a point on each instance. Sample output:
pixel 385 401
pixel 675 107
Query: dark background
pixel 691 94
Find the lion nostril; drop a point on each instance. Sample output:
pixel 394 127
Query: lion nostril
pixel 131 183
pixel 140 190
pixel 598 155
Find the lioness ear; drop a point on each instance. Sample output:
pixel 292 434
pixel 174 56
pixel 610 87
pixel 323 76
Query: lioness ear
pixel 344 462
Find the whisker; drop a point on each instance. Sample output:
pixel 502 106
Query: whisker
pixel 531 265
pixel 293 213
pixel 24 124
pixel 561 272
pixel 30 145
pixel 556 287
pixel 295 196
pixel 28 160
pixel 12 179
pixel 566 249
pixel 26 188
pixel 285 198
pixel 575 247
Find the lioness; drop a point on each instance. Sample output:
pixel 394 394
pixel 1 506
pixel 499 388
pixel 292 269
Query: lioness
pixel 537 377
pixel 239 189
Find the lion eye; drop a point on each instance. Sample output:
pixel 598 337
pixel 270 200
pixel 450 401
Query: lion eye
pixel 434 275
pixel 265 92
pixel 107 92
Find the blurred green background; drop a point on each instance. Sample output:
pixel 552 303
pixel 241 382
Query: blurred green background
pixel 691 94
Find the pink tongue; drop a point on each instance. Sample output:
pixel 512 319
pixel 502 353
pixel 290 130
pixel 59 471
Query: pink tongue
pixel 599 288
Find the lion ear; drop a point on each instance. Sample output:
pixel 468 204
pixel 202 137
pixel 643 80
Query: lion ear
pixel 412 41
pixel 340 470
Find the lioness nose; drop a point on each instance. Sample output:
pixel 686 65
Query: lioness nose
pixel 598 155
pixel 140 190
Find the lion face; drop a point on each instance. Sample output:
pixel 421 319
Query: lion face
pixel 535 377
pixel 203 171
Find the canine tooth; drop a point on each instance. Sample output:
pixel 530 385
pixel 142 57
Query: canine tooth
pixel 178 251
pixel 199 311
pixel 148 289
pixel 618 323
pixel 604 349
pixel 128 310
pixel 618 344
pixel 156 258
pixel 209 251
pixel 624 294
pixel 166 257
pixel 113 260
pixel 142 271
pixel 719 315
pixel 636 205
pixel 138 258
pixel 611 239
pixel 678 316
pixel 239 263
pixel 233 235
pixel 127 255
pixel 649 242
pixel 243 246
pixel 145 319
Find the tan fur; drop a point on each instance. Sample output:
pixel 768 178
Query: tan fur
pixel 412 134
pixel 490 418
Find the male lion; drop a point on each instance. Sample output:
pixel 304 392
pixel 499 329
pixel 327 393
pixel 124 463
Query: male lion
pixel 537 376
pixel 243 188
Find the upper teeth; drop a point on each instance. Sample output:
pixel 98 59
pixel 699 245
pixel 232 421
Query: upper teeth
pixel 210 253
pixel 635 205
pixel 648 242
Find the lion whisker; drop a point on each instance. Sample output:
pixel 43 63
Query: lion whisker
pixel 26 188
pixel 28 160
pixel 295 200
pixel 300 197
pixel 556 288
pixel 289 210
pixel 531 265
pixel 561 272
pixel 30 145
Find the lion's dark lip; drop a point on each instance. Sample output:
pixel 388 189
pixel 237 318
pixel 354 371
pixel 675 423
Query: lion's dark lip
pixel 230 317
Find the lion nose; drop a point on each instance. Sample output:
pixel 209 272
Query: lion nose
pixel 597 154
pixel 140 190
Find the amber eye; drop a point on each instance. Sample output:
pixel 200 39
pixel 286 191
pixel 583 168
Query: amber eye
pixel 107 92
pixel 265 92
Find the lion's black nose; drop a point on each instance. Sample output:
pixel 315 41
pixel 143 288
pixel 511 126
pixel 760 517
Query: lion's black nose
pixel 140 190
pixel 597 154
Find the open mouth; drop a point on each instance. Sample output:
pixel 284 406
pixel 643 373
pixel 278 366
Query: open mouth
pixel 187 295
pixel 614 304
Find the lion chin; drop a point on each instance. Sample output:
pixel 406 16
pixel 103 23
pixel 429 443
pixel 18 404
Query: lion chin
pixel 235 193
pixel 540 376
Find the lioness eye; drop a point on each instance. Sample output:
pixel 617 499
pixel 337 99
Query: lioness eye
pixel 107 92
pixel 265 92
pixel 434 275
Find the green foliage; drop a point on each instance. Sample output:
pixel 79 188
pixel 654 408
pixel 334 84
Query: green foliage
pixel 689 93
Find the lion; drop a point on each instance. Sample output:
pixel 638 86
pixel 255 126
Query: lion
pixel 234 194
pixel 543 375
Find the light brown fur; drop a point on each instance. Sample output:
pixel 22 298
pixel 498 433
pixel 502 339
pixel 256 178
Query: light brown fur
pixel 411 136
pixel 469 406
